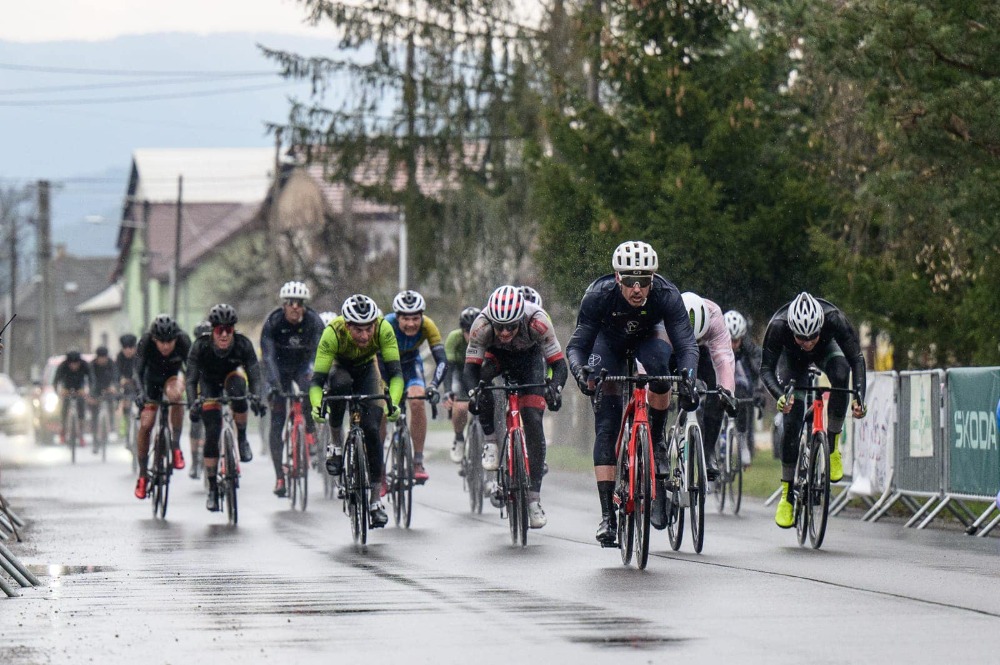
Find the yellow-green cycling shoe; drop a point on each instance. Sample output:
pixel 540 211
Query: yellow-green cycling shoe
pixel 836 466
pixel 783 516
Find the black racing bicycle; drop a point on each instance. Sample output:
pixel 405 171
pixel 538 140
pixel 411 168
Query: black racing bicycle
pixel 163 463
pixel 355 481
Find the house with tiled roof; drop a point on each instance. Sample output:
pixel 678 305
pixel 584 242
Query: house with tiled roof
pixel 202 202
pixel 74 280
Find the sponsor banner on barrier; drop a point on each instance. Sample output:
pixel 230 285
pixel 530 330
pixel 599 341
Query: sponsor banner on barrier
pixel 974 466
pixel 875 437
pixel 921 428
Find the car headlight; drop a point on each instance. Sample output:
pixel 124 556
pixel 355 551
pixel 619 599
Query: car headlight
pixel 18 408
pixel 50 402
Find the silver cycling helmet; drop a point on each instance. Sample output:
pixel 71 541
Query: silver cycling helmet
pixel 408 302
pixel 805 316
pixel 736 324
pixel 294 290
pixel 634 256
pixel 360 310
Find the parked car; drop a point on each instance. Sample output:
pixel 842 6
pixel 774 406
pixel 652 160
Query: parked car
pixel 46 405
pixel 15 410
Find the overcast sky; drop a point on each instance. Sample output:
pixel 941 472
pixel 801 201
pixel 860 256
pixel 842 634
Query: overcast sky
pixel 95 20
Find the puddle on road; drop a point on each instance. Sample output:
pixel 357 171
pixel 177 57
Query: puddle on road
pixel 65 571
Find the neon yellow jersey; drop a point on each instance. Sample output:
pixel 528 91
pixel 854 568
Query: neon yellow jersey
pixel 337 345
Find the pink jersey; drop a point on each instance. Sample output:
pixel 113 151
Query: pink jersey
pixel 720 347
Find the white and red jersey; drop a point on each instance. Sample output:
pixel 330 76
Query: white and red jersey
pixel 535 329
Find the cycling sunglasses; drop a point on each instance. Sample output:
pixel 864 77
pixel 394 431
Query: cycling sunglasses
pixel 223 330
pixel 632 281
pixel 506 327
pixel 295 302
pixel 806 339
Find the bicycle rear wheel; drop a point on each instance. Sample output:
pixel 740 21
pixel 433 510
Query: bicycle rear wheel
pixel 819 489
pixel 696 465
pixel 626 512
pixel 675 486
pixel 133 434
pixel 299 470
pixel 230 477
pixel 72 431
pixel 643 495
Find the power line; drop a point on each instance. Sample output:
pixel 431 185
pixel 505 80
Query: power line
pixel 144 98
pixel 127 72
pixel 128 84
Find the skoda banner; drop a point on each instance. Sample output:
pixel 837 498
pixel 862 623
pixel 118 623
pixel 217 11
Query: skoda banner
pixel 974 462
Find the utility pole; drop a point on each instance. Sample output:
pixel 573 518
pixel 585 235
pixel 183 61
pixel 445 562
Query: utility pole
pixel 46 332
pixel 175 291
pixel 9 350
pixel 144 259
pixel 403 258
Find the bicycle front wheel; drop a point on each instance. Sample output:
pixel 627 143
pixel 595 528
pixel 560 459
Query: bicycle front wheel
pixel 103 430
pixel 299 470
pixel 676 488
pixel 475 480
pixel 357 482
pixel 696 486
pixel 736 469
pixel 231 478
pixel 72 431
pixel 519 492
pixel 623 498
pixel 643 495
pixel 819 489
pixel 722 447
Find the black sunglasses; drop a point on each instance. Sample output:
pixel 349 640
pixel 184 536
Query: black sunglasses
pixel 632 281
pixel 295 302
pixel 506 327
pixel 806 339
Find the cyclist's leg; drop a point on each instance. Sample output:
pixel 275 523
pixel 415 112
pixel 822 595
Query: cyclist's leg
pixel 173 388
pixel 303 379
pixel 81 412
pixel 413 375
pixel 211 415
pixel 278 415
pixel 236 386
pixel 607 421
pixel 153 389
pixel 339 381
pixel 656 355
pixel 367 380
pixel 63 412
pixel 531 368
pixel 838 371
pixel 711 412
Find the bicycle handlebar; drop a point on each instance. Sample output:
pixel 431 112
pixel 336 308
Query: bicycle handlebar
pixel 508 387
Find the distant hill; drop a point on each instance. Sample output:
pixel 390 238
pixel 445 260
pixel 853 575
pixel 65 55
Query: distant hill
pixel 85 149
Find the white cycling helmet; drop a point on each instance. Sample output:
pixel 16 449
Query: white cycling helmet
pixel 736 324
pixel 326 317
pixel 506 305
pixel 360 310
pixel 531 295
pixel 805 316
pixel 698 312
pixel 633 257
pixel 294 290
pixel 408 302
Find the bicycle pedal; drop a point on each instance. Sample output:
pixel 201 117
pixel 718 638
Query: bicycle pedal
pixel 612 544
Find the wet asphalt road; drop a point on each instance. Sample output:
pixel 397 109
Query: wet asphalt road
pixel 119 586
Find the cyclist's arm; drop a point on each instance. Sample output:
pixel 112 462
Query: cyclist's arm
pixel 389 349
pixel 720 348
pixel 770 352
pixel 454 351
pixel 588 325
pixel 193 374
pixel 542 328
pixel 140 359
pixel 847 340
pixel 268 355
pixel 326 351
pixel 249 359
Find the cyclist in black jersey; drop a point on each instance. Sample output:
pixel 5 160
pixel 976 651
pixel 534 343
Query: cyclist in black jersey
pixel 160 359
pixel 105 382
pixel 636 309
pixel 224 361
pixel 747 353
pixel 288 344
pixel 72 374
pixel 810 331
pixel 196 433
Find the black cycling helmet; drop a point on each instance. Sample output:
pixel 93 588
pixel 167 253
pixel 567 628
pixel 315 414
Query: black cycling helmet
pixel 102 352
pixel 72 356
pixel 466 318
pixel 164 328
pixel 222 315
pixel 127 340
pixel 203 328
